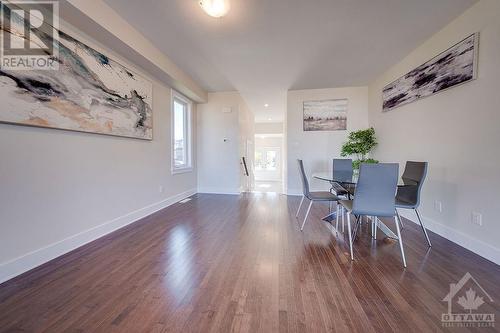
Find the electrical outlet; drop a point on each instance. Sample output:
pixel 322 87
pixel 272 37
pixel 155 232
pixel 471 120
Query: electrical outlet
pixel 477 218
pixel 160 188
pixel 438 206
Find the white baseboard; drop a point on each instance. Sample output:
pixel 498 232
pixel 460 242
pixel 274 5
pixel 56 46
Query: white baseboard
pixel 214 190
pixel 22 264
pixel 472 244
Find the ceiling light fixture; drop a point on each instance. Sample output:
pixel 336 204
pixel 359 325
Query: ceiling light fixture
pixel 215 8
pixel 266 105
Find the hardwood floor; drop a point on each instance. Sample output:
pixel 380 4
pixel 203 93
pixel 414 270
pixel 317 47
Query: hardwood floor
pixel 239 263
pixel 264 186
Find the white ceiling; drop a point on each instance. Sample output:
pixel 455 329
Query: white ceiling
pixel 263 48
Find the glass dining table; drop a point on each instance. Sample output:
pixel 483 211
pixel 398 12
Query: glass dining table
pixel 346 182
pixel 341 181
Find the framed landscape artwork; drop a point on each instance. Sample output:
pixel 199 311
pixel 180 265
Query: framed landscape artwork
pixel 325 115
pixel 452 67
pixel 88 92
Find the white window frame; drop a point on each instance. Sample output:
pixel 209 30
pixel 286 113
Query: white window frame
pixel 189 134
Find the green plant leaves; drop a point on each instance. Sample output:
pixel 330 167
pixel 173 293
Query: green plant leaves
pixel 357 163
pixel 360 143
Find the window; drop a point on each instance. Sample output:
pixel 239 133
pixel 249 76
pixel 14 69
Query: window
pixel 181 133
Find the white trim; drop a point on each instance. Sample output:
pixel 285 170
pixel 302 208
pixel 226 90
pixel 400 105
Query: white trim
pixel 458 237
pixel 271 135
pixel 182 170
pixel 22 264
pixel 189 130
pixel 214 190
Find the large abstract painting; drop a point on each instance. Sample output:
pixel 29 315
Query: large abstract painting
pixel 454 66
pixel 325 115
pixel 88 93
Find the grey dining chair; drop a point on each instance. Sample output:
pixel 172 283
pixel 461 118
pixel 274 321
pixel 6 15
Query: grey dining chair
pixel 324 196
pixel 375 197
pixel 342 169
pixel 408 195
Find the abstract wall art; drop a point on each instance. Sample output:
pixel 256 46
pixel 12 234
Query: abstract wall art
pixel 88 92
pixel 325 115
pixel 452 67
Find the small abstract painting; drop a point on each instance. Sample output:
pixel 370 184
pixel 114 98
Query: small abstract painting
pixel 325 115
pixel 88 93
pixel 454 66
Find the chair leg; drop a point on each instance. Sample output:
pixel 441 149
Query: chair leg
pixel 423 227
pixel 349 232
pixel 400 219
pixel 337 217
pixel 400 240
pixel 375 226
pixel 300 205
pixel 359 220
pixel 343 216
pixel 307 214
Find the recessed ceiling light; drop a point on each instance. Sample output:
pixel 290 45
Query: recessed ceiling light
pixel 269 119
pixel 215 8
pixel 266 105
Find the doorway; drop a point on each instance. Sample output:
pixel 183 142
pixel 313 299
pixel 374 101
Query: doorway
pixel 268 165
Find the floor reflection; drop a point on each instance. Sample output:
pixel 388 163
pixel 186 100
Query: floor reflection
pixel 180 277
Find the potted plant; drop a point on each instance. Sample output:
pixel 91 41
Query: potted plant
pixel 360 143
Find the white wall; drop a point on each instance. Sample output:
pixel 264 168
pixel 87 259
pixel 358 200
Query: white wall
pixel 61 189
pixel 268 128
pixel 456 131
pixel 318 148
pixel 219 169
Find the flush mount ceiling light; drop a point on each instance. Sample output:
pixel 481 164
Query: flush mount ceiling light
pixel 215 8
pixel 266 105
